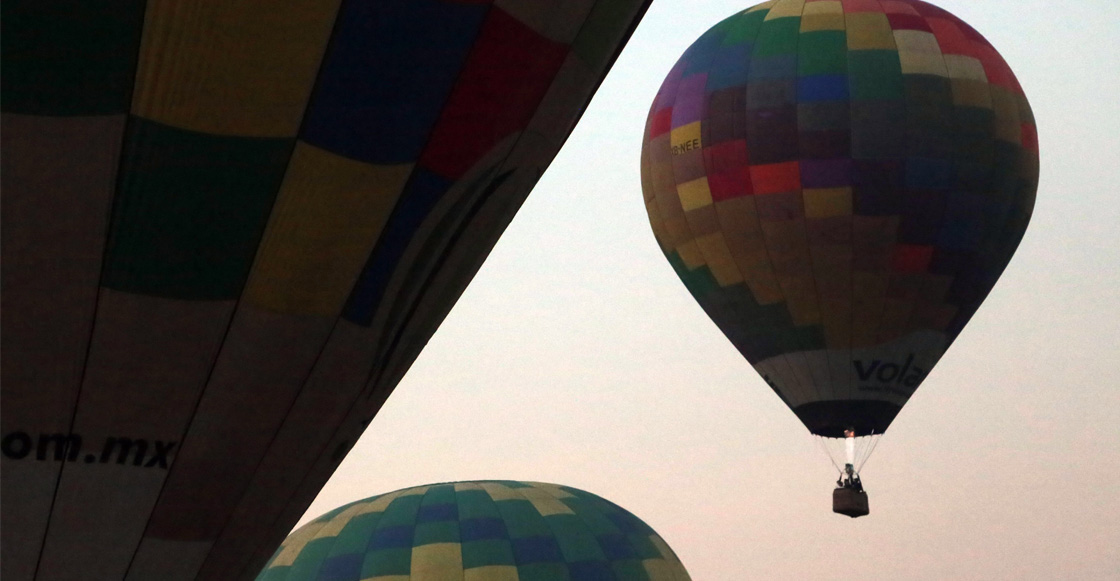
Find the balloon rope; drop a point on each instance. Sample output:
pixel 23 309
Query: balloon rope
pixel 824 447
pixel 874 442
pixel 864 452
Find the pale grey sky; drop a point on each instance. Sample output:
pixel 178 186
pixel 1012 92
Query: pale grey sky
pixel 576 356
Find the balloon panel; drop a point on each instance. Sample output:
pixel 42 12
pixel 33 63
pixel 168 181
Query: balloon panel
pixel 840 184
pixel 485 530
pixel 228 231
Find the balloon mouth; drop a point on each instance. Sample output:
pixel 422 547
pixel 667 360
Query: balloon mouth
pixel 832 418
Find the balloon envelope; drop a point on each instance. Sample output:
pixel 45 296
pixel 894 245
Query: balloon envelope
pixel 228 230
pixel 479 531
pixel 840 184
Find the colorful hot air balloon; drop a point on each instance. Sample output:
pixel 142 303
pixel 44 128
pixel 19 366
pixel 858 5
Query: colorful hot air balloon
pixel 477 531
pixel 228 230
pixel 839 184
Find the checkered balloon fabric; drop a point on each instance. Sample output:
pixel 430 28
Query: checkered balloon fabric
pixel 480 531
pixel 229 228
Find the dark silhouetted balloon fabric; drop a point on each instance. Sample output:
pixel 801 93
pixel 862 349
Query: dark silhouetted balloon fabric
pixel 477 531
pixel 840 184
pixel 228 230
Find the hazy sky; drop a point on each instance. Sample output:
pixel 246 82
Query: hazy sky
pixel 577 357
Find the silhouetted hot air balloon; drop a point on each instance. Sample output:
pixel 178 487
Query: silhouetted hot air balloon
pixel 477 531
pixel 839 184
pixel 228 230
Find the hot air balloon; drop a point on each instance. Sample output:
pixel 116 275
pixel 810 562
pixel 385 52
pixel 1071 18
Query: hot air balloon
pixel 477 531
pixel 839 184
pixel 228 230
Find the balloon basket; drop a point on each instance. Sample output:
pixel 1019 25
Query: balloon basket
pixel 849 502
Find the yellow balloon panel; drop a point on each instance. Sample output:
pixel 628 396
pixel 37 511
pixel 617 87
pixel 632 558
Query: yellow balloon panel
pixel 231 68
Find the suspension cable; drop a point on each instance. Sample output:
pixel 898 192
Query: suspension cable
pixel 824 447
pixel 863 449
pixel 874 442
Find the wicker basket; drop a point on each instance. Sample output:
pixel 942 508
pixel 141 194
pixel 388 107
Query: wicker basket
pixel 849 501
